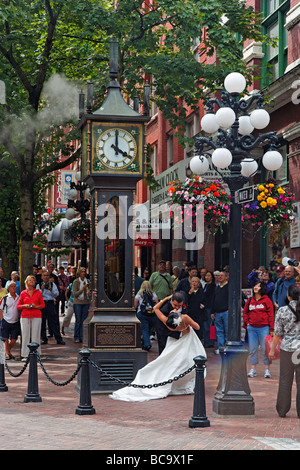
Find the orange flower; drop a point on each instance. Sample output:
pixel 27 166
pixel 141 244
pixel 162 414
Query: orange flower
pixel 171 189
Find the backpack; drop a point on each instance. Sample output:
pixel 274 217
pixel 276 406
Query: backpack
pixel 146 307
pixel 4 298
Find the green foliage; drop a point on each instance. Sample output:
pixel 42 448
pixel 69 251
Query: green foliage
pixel 10 209
pixel 40 40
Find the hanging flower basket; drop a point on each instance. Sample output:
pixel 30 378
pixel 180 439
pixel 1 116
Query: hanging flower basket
pixel 272 208
pixel 79 231
pixel 194 191
pixel 39 242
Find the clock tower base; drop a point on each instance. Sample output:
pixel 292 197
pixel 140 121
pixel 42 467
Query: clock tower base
pixel 114 342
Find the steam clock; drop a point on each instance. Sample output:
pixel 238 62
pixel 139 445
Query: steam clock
pixel 113 154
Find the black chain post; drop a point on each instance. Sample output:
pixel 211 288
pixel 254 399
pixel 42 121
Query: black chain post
pixel 3 386
pixel 85 405
pixel 33 388
pixel 199 419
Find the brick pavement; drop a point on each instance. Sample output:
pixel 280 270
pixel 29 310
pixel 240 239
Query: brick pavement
pixel 157 425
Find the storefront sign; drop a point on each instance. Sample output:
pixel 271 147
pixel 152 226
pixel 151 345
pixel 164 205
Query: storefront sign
pixel 295 227
pixel 62 188
pixel 180 171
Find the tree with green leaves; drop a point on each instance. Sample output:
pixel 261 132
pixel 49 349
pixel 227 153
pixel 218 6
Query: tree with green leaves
pixel 41 42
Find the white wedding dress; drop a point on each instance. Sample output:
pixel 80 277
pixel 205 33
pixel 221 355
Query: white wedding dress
pixel 177 357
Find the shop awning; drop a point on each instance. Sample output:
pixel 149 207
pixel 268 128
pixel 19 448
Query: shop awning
pixel 56 238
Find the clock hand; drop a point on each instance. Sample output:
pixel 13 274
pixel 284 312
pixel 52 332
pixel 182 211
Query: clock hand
pixel 116 142
pixel 119 150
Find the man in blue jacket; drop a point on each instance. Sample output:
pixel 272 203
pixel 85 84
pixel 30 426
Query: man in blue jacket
pixel 282 285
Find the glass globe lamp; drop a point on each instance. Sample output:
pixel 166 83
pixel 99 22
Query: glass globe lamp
pixel 199 165
pixel 245 126
pixel 70 213
pixel 249 167
pixel 225 117
pixel 235 82
pixel 209 123
pixel 73 194
pixel 272 160
pixel 221 157
pixel 260 118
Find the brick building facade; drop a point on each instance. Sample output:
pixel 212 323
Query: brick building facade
pixel 279 69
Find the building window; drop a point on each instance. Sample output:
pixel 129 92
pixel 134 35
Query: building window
pixel 275 58
pixel 154 159
pixel 169 150
pixel 282 175
pixel 192 129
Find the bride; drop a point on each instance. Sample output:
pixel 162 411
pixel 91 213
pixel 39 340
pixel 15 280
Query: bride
pixel 177 357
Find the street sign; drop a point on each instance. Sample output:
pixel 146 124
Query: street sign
pixel 244 195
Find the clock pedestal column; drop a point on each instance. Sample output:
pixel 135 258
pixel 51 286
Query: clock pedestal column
pixel 112 331
pixel 113 155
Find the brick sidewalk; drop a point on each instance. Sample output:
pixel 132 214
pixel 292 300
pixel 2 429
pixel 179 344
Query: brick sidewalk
pixel 156 425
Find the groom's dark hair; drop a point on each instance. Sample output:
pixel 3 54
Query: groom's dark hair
pixel 178 297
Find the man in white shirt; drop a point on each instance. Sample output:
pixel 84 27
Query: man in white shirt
pixel 10 319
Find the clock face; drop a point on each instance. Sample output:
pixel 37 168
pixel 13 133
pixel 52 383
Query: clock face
pixel 116 148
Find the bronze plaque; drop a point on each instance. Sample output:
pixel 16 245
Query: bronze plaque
pixel 114 335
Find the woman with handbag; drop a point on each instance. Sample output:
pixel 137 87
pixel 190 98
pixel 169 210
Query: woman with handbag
pixel 81 302
pixel 144 302
pixel 258 316
pixel 287 328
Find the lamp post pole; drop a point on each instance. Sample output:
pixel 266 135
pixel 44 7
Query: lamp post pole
pixel 82 206
pixel 231 149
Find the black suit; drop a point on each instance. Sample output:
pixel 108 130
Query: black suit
pixel 162 330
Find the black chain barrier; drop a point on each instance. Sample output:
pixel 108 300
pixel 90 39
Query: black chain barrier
pixel 131 384
pixel 21 371
pixel 85 406
pixel 59 384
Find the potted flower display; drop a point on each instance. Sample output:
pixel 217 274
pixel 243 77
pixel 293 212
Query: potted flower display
pixel 212 194
pixel 272 208
pixel 79 231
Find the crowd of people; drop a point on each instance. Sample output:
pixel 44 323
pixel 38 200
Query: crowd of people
pixel 33 313
pixel 273 310
pixel 198 297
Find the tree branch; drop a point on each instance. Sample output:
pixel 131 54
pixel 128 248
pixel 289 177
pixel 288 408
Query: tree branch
pixel 57 165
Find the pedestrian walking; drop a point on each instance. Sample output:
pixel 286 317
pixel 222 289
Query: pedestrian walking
pixel 186 283
pixel 50 316
pixel 265 276
pixel 144 302
pixel 219 310
pixel 282 285
pixel 175 277
pixel 14 277
pixel 81 302
pixel 208 293
pixel 161 281
pixel 195 305
pixel 10 324
pixel 30 303
pixel 287 329
pixel 63 282
pixel 258 316
pixel 70 309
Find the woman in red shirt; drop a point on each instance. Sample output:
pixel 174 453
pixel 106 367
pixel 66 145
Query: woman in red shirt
pixel 30 303
pixel 258 315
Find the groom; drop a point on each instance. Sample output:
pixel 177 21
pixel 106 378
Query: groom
pixel 167 305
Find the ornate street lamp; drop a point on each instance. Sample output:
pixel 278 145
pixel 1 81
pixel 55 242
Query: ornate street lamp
pixel 231 148
pixel 80 205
